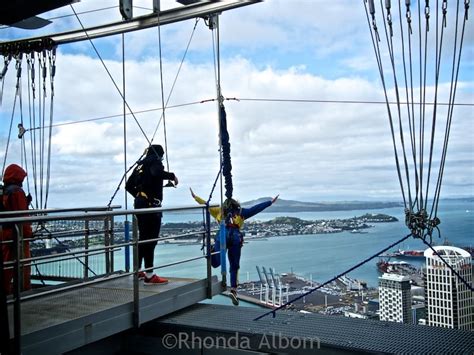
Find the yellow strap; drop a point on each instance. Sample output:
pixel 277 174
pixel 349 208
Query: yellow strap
pixel 142 194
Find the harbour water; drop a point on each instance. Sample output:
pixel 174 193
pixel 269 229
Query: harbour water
pixel 323 256
pixel 318 257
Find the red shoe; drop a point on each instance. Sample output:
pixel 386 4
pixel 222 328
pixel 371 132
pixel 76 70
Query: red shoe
pixel 141 275
pixel 155 280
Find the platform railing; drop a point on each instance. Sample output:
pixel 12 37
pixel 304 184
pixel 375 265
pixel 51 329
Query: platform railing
pixel 61 236
pixel 96 262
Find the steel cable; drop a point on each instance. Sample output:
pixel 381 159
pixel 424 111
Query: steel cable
pixel 273 312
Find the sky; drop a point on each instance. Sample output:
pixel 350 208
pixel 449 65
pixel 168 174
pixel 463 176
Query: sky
pixel 305 109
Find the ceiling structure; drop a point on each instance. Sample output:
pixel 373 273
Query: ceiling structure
pixel 23 13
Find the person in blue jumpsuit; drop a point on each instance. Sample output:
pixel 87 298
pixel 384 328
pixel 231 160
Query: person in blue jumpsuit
pixel 234 216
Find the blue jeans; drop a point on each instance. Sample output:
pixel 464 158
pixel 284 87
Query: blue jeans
pixel 234 241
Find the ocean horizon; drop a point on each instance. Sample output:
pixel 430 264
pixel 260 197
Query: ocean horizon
pixel 323 256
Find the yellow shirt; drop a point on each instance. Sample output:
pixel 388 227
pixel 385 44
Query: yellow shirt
pixel 217 213
pixel 214 211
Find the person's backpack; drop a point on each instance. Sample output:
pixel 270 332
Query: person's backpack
pixel 137 179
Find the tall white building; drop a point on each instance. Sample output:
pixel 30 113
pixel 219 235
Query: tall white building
pixel 395 298
pixel 449 302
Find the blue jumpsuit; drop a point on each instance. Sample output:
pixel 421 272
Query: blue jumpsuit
pixel 235 239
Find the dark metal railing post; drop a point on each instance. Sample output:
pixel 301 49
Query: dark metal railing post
pixel 86 248
pixel 126 235
pixel 208 253
pixel 111 243
pixel 17 282
pixel 136 299
pixel 4 324
pixel 107 244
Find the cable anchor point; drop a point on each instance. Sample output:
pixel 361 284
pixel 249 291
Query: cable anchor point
pixel 420 225
pixel 211 21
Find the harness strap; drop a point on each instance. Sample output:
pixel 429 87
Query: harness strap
pixel 152 201
pixel 142 194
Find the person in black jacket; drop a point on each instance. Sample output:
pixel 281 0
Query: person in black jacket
pixel 150 194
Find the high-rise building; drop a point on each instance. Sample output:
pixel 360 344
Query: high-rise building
pixel 395 298
pixel 449 301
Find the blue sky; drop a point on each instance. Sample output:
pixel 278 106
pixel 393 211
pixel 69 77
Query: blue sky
pixel 301 50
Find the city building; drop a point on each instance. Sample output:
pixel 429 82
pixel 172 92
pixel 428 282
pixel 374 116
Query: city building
pixel 395 298
pixel 449 301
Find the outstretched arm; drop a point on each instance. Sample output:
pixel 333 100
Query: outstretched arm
pixel 197 198
pixel 214 211
pixel 252 211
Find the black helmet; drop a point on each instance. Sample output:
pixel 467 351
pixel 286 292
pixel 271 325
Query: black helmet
pixel 155 149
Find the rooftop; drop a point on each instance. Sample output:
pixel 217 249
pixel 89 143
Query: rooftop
pixel 446 250
pixel 333 334
pixel 394 277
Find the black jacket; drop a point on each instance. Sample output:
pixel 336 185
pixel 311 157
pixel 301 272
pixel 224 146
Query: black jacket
pixel 153 185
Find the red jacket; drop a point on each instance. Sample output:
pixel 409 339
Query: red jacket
pixel 14 198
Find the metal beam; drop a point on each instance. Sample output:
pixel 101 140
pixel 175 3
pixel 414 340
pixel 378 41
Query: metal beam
pixel 201 9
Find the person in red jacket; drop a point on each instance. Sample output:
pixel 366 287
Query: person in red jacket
pixel 15 199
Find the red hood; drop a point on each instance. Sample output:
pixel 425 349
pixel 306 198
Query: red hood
pixel 14 174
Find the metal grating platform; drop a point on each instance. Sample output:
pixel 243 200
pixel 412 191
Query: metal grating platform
pixel 334 334
pixel 65 321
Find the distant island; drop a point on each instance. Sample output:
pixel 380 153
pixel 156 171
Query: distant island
pixel 299 206
pixel 191 232
pixel 282 226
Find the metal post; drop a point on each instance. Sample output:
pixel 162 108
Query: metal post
pixel 107 244
pixel 208 253
pixel 4 324
pixel 156 6
pixel 86 247
pixel 17 238
pixel 126 232
pixel 111 243
pixel 136 299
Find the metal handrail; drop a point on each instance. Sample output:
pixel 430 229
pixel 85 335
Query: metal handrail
pixel 80 234
pixel 31 219
pixel 96 250
pixel 93 250
pixel 58 210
